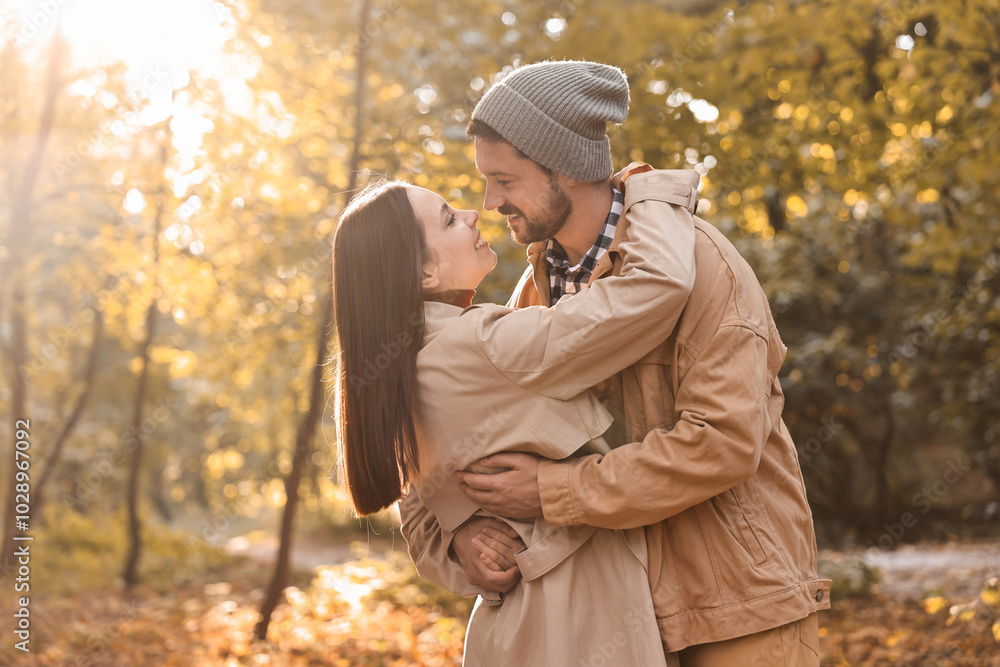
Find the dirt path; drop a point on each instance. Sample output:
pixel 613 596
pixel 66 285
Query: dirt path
pixel 954 570
pixel 310 554
pixel 917 571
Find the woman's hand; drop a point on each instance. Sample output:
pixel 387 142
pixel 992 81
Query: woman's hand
pixel 480 568
pixel 497 547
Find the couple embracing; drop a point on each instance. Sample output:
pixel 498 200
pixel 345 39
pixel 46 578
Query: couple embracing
pixel 602 461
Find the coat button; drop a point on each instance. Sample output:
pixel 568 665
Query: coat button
pixel 819 596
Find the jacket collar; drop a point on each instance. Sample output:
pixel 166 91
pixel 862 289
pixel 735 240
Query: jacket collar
pixel 539 269
pixel 604 266
pixel 456 297
pixel 437 316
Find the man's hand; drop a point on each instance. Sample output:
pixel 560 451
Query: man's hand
pixel 512 493
pixel 618 180
pixel 483 545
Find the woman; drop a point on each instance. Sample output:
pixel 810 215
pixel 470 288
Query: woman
pixel 428 385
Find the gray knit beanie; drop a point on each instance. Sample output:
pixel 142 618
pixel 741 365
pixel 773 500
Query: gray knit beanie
pixel 557 112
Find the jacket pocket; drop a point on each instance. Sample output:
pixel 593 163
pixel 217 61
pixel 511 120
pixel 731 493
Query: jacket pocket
pixel 809 634
pixel 739 526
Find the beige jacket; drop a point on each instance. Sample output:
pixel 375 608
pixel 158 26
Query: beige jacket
pixel 493 379
pixel 710 468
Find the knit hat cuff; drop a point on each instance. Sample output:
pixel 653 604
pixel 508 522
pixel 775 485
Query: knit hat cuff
pixel 536 135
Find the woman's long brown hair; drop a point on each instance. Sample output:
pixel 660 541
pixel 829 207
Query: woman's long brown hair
pixel 378 252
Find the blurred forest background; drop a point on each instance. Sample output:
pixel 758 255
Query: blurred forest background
pixel 171 173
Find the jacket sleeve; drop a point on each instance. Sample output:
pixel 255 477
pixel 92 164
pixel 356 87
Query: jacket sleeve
pixel 723 422
pixel 429 547
pixel 559 352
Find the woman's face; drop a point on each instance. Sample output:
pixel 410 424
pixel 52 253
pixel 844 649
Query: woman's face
pixel 460 257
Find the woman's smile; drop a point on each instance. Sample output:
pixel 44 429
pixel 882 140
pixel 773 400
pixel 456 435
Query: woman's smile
pixel 447 231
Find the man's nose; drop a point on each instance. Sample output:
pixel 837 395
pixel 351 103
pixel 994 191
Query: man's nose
pixel 491 200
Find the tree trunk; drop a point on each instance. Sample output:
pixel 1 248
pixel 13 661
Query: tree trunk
pixel 303 445
pixel 156 495
pixel 885 495
pixel 89 375
pixel 18 245
pixel 874 448
pixel 137 439
pixel 307 427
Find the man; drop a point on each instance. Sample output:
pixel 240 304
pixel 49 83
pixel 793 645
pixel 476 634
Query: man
pixel 708 465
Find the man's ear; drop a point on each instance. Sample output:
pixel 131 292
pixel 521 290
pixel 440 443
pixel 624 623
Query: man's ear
pixel 565 182
pixel 429 280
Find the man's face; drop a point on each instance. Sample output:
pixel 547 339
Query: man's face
pixel 535 204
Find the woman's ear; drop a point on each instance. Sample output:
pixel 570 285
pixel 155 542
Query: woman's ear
pixel 429 280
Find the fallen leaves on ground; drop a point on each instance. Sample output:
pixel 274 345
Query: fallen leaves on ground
pixel 373 612
pixel 367 612
pixel 931 632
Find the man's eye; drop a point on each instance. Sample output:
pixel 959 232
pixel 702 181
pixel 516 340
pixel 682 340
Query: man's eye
pixel 503 183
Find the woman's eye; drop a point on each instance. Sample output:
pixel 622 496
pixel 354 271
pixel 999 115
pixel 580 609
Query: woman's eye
pixel 451 220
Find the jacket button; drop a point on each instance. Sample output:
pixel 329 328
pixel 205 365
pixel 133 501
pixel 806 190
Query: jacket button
pixel 819 596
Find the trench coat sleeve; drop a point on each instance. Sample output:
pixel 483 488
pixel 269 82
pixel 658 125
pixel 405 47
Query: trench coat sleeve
pixel 428 545
pixel 559 352
pixel 723 423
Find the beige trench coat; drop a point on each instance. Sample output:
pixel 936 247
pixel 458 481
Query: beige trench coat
pixel 493 379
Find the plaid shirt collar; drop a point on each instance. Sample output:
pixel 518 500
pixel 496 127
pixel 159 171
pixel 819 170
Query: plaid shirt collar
pixel 565 279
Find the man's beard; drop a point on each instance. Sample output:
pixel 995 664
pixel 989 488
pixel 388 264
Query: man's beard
pixel 553 212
